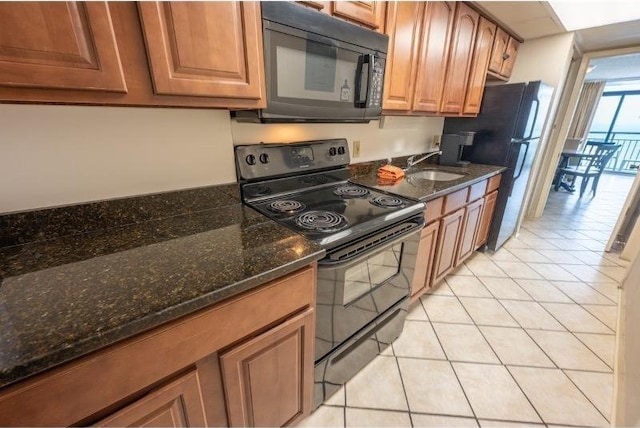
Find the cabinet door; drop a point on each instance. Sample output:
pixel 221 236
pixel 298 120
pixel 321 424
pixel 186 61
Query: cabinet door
pixel 403 28
pixel 269 379
pixel 210 49
pixel 478 73
pixel 59 45
pixel 437 26
pixel 509 57
pixel 498 50
pixel 464 33
pixel 368 13
pixel 472 213
pixel 424 259
pixel 322 6
pixel 178 404
pixel 448 238
pixel 485 220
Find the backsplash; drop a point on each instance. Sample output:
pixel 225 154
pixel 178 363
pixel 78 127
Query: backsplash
pixel 61 155
pixel 391 137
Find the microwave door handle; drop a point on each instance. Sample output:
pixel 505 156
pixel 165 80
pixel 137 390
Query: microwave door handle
pixel 364 76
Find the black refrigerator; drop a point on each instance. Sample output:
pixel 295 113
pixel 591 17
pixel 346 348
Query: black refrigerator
pixel 508 131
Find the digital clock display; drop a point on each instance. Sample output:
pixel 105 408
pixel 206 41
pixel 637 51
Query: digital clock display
pixel 300 155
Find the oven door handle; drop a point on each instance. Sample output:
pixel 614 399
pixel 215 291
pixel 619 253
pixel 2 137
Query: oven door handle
pixel 364 248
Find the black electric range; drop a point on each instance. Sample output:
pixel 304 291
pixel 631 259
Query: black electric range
pixel 371 239
pixel 305 187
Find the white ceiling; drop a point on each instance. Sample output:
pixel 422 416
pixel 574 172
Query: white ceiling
pixel 527 19
pixel 615 68
pixel 533 19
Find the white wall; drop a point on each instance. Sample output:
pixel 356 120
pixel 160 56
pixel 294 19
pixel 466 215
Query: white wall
pixel 399 135
pixel 54 155
pixel 547 59
pixel 626 411
pixel 57 155
pixel 543 59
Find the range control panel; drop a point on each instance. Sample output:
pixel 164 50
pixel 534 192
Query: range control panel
pixel 271 160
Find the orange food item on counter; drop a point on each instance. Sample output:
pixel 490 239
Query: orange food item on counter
pixel 390 173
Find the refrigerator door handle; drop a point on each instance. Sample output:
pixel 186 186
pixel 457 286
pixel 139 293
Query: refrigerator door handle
pixel 535 117
pixel 524 158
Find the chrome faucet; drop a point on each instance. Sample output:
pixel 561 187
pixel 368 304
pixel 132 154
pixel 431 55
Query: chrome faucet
pixel 411 161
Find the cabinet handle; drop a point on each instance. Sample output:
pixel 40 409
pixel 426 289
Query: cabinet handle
pixel 505 56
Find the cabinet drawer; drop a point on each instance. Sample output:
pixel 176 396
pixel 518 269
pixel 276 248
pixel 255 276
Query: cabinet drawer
pixel 494 183
pixel 455 200
pixel 433 210
pixel 477 191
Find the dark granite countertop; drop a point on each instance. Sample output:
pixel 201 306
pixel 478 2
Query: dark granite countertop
pixel 76 279
pixel 418 188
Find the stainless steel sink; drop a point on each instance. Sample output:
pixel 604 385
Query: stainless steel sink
pixel 435 175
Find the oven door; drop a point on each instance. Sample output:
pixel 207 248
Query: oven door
pixel 353 293
pixel 313 77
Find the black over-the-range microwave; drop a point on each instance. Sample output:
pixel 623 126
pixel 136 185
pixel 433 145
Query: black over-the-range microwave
pixel 318 68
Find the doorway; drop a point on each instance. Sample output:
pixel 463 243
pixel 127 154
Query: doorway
pixel 611 119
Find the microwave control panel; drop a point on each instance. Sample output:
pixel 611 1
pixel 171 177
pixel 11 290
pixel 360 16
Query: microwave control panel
pixel 374 98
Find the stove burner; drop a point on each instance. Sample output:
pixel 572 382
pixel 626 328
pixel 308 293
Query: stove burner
pixel 387 202
pixel 322 221
pixel 286 206
pixel 351 192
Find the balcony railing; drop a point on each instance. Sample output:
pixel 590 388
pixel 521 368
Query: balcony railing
pixel 627 158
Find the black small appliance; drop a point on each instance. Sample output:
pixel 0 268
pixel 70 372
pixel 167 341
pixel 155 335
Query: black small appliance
pixel 318 68
pixel 452 145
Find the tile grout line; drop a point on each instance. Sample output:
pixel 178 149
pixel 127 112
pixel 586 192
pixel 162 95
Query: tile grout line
pixel 507 367
pixel 585 395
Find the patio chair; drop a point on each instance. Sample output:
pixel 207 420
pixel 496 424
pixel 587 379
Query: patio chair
pixel 592 167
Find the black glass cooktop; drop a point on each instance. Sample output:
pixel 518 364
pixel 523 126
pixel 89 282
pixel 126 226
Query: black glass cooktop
pixel 338 212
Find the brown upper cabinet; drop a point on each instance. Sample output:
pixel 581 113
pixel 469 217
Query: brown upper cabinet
pixel 431 47
pixel 439 56
pixel 419 35
pixel 370 14
pixel 434 50
pixel 61 45
pixel 478 73
pixel 403 29
pixel 460 55
pixel 199 54
pixel 192 50
pixel 503 55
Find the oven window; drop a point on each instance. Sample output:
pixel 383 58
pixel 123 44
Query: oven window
pixel 371 272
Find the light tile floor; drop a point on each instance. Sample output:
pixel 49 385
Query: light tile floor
pixel 524 336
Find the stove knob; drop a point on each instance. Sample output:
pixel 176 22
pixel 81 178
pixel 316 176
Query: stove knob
pixel 341 150
pixel 332 151
pixel 264 158
pixel 250 159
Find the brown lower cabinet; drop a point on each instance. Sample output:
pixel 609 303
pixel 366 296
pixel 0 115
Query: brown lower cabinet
pixel 267 380
pixel 485 219
pixel 450 232
pixel 245 361
pixel 472 213
pixel 178 404
pixel 424 259
pixel 457 225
